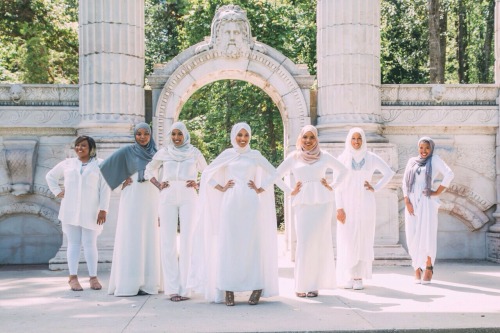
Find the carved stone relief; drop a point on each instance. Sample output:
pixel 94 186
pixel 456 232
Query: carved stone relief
pixel 231 34
pixel 20 156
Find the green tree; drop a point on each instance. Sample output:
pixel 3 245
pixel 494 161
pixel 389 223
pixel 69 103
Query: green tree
pixel 39 41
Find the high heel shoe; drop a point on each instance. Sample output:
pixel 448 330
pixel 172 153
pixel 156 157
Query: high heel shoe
pixel 229 298
pixel 255 297
pixel 418 279
pixel 431 269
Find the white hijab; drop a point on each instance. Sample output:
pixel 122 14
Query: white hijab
pixel 180 153
pixel 349 152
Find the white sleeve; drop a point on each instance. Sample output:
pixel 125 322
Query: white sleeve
pixel 444 169
pixel 386 171
pixel 53 176
pixel 152 169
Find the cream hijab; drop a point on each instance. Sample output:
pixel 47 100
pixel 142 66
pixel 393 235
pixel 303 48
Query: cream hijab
pixel 308 156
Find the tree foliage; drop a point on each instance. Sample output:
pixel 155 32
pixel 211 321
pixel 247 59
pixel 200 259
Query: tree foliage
pixel 39 40
pixel 468 38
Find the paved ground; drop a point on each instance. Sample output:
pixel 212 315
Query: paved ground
pixel 464 297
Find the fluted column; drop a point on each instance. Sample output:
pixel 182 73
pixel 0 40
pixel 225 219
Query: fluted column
pixel 111 66
pixel 348 68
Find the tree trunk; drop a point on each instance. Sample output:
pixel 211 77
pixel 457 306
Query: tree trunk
pixel 443 27
pixel 462 42
pixel 435 69
pixel 486 57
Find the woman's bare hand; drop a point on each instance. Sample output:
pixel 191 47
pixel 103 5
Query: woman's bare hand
pixel 325 184
pixel 341 215
pixel 229 184
pixel 193 184
pixel 252 185
pixel 409 207
pixel 297 188
pixel 127 182
pixel 101 217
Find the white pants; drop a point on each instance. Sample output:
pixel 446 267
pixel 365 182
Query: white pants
pixel 78 236
pixel 177 202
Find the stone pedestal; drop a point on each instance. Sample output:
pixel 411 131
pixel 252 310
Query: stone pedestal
pixel 348 68
pixel 493 246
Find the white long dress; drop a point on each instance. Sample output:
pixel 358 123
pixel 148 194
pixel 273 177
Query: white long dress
pixel 421 228
pixel 136 254
pixel 355 237
pixel 313 209
pixel 236 246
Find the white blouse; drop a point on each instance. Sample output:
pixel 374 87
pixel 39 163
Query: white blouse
pixel 177 170
pixel 85 192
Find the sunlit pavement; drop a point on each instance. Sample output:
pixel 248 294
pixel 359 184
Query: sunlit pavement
pixel 463 297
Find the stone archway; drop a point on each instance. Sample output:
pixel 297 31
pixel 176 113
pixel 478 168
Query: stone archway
pixel 231 53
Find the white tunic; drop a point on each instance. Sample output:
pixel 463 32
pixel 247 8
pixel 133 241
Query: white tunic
pixel 421 228
pixel 85 193
pixel 313 208
pixel 355 237
pixel 136 254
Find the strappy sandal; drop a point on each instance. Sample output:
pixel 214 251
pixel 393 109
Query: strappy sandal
pixel 418 280
pixel 431 269
pixel 178 298
pixel 312 294
pixel 255 297
pixel 301 295
pixel 74 284
pixel 94 283
pixel 229 298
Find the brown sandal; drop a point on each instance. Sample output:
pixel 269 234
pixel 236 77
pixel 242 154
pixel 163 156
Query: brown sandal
pixel 255 297
pixel 301 294
pixel 178 298
pixel 74 284
pixel 229 298
pixel 94 283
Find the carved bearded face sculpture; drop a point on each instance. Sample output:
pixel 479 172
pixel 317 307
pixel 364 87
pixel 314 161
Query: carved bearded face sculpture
pixel 233 39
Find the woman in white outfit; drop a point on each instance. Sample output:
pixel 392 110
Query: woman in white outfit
pixel 181 163
pixel 238 224
pixel 422 204
pixel 312 204
pixel 85 201
pixel 136 256
pixel 356 213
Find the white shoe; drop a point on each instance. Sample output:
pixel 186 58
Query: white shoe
pixel 357 285
pixel 349 284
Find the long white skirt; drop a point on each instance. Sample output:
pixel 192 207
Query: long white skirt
pixel 314 259
pixel 421 228
pixel 240 266
pixel 136 255
pixel 355 237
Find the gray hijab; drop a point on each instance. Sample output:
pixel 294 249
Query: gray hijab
pixel 418 162
pixel 128 160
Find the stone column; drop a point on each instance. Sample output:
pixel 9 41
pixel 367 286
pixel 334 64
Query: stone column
pixel 493 236
pixel 348 68
pixel 111 67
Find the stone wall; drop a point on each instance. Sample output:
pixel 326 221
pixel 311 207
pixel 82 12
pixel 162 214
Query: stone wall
pixel 38 125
